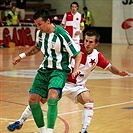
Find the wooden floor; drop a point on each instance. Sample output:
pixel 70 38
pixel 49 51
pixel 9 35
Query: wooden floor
pixel 113 95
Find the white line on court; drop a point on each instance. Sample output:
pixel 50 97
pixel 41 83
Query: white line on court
pixel 101 107
pixel 72 112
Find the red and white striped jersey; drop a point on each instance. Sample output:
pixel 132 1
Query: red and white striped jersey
pixel 87 66
pixel 72 24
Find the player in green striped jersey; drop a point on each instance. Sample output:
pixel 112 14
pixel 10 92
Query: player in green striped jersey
pixel 58 48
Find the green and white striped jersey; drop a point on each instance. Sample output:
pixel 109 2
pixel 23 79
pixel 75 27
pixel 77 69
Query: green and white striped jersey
pixel 57 48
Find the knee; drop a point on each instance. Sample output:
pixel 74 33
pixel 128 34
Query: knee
pixel 33 99
pixel 91 100
pixel 88 101
pixel 53 93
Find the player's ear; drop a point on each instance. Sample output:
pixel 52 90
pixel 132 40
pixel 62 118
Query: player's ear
pixel 97 43
pixel 48 21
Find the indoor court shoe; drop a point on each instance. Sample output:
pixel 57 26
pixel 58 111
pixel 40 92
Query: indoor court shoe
pixel 15 125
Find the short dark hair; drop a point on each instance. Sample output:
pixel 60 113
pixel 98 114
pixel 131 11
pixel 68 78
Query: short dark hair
pixel 93 32
pixel 85 8
pixel 76 3
pixel 42 13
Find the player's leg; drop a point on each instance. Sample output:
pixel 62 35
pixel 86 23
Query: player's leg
pixel 82 95
pixel 85 99
pixel 25 115
pixel 37 91
pixel 18 124
pixel 27 112
pixel 52 109
pixel 34 103
pixel 56 84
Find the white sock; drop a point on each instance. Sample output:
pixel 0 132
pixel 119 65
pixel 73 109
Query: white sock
pixel 27 113
pixel 50 130
pixel 87 115
pixel 43 129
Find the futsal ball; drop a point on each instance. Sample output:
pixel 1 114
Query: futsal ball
pixel 55 18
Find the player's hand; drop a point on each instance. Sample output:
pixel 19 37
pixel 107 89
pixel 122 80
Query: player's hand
pixel 77 33
pixel 75 73
pixel 16 60
pixel 124 73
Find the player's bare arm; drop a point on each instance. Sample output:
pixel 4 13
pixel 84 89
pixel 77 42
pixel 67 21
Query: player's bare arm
pixel 116 71
pixel 33 50
pixel 80 31
pixel 77 63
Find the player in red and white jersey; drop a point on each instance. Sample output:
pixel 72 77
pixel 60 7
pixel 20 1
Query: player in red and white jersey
pixel 75 88
pixel 73 22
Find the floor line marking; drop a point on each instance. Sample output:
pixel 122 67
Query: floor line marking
pixel 101 107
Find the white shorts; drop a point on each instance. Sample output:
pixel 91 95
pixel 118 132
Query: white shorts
pixel 71 91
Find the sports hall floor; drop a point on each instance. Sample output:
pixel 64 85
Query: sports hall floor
pixel 113 95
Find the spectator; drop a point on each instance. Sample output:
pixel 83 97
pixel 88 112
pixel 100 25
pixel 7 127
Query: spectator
pixel 20 8
pixel 73 22
pixel 12 17
pixel 87 17
pixel 1 11
pixel 8 6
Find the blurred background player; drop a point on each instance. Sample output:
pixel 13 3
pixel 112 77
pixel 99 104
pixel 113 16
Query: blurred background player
pixel 73 22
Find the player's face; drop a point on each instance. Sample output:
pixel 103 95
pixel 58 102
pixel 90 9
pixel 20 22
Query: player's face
pixel 89 44
pixel 74 8
pixel 42 25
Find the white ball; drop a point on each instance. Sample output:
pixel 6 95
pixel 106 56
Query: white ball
pixel 55 18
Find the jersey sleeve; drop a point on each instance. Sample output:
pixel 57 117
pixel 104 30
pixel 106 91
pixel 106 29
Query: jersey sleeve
pixel 72 48
pixel 102 62
pixel 64 19
pixel 82 21
pixel 38 41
